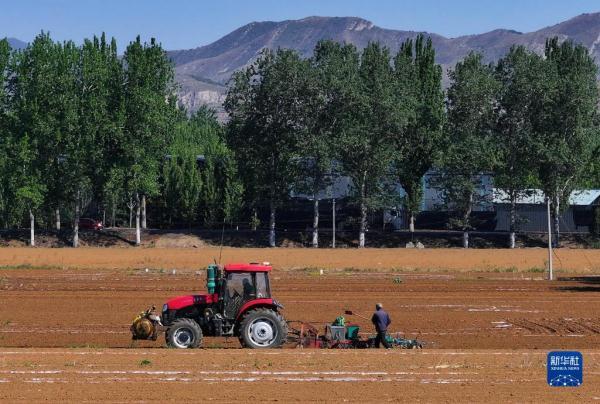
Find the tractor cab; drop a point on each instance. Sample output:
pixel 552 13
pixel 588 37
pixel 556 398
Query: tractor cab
pixel 241 284
pixel 238 303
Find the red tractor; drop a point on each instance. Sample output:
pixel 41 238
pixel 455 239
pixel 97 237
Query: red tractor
pixel 238 304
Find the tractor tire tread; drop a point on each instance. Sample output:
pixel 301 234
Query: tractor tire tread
pixel 283 326
pixel 188 322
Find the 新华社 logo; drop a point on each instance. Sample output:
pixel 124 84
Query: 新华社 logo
pixel 565 368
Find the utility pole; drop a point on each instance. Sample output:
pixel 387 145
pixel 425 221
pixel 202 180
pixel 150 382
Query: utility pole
pixel 333 215
pixel 550 275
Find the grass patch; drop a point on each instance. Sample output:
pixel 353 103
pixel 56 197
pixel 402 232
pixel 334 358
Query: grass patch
pixel 145 362
pixel 536 270
pixel 496 270
pixel 27 266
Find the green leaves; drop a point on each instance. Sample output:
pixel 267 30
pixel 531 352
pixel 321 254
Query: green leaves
pixel 469 152
pixel 148 81
pixel 365 139
pixel 266 107
pixel 207 189
pixel 418 129
pixel 567 133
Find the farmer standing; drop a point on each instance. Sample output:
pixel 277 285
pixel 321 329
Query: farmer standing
pixel 381 320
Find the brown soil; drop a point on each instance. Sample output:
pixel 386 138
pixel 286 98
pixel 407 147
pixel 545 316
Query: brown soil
pixel 170 240
pixel 486 333
pixel 533 259
pixel 35 375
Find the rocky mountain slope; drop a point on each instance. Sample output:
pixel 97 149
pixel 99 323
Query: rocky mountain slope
pixel 203 72
pixel 16 43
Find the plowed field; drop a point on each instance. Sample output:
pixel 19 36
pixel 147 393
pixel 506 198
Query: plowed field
pixel 143 375
pixel 488 326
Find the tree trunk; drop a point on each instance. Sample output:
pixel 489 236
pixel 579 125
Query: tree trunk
pixel 557 221
pixel 254 219
pixel 138 234
pixel 114 212
pixel 76 223
pixel 272 225
pixel 57 217
pixel 31 228
pixel 143 211
pixel 315 234
pixel 513 220
pixel 130 206
pixel 363 225
pixel 363 213
pixel 411 224
pixel 467 221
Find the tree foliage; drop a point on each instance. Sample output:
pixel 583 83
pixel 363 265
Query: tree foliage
pixel 200 177
pixel 519 104
pixel 85 130
pixel 567 137
pixel 418 81
pixel 470 150
pixel 266 109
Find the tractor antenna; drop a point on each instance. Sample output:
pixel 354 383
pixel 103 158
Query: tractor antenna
pixel 222 237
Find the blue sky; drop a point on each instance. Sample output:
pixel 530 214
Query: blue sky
pixel 182 24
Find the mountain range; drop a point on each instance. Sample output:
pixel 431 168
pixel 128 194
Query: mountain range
pixel 16 43
pixel 203 72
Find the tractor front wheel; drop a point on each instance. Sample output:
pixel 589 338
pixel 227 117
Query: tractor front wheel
pixel 184 333
pixel 263 328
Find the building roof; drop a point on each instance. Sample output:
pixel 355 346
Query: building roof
pixel 579 197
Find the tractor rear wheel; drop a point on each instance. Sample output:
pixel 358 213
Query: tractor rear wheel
pixel 263 328
pixel 184 333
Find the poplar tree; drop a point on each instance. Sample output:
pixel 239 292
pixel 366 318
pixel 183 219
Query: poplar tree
pixel 317 143
pixel 148 119
pixel 265 107
pixel 44 115
pixel 101 115
pixel 366 134
pixel 567 129
pixel 520 101
pixel 5 135
pixel 418 143
pixel 469 152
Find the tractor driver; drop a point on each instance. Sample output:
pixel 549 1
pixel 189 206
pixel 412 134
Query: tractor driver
pixel 381 321
pixel 248 290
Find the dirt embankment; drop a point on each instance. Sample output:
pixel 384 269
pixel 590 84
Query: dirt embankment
pixel 531 260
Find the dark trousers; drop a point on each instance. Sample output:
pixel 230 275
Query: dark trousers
pixel 380 339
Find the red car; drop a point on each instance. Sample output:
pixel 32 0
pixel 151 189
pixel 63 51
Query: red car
pixel 90 224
